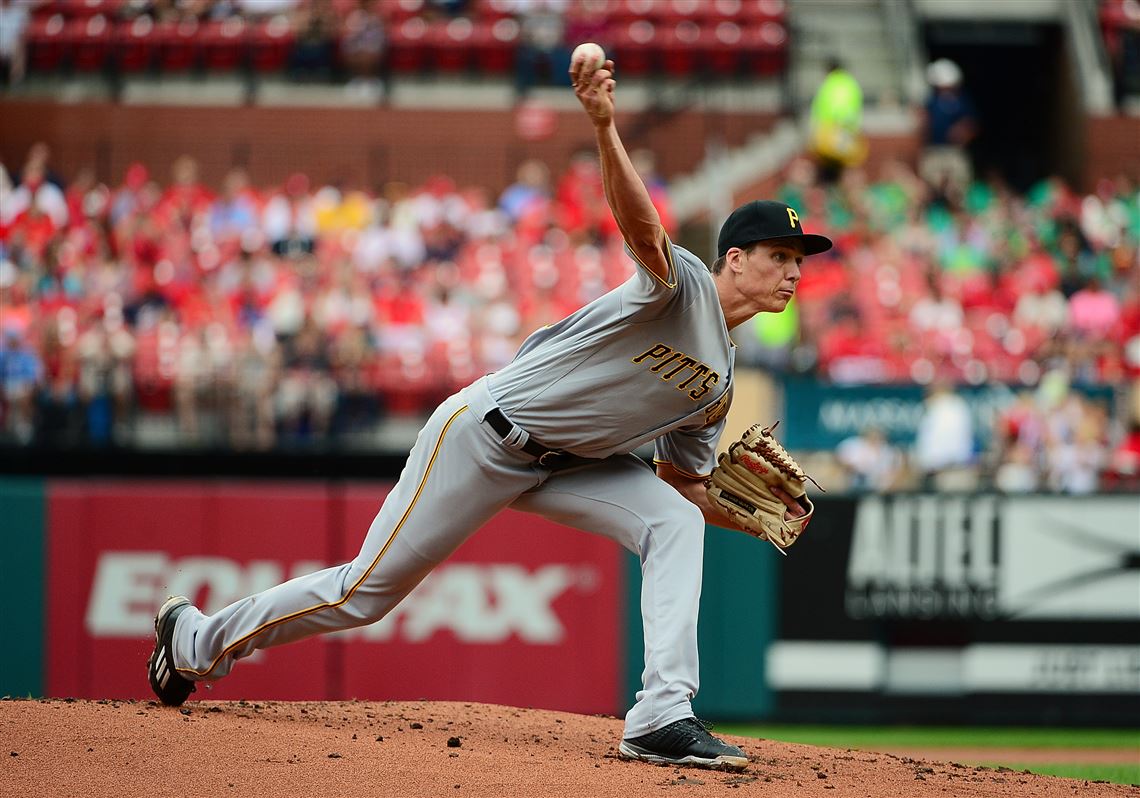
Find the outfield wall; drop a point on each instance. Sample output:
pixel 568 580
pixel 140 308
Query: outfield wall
pixel 527 612
pixel 960 609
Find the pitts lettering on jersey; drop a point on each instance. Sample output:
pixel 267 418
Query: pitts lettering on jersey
pixel 686 372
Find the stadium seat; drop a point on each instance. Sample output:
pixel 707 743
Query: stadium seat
pixel 492 10
pixel 726 10
pixel 135 44
pixel 765 48
pixel 177 50
pixel 494 44
pixel 761 10
pixel 407 49
pixel 89 42
pixel 269 44
pixel 678 49
pixel 223 44
pixel 635 47
pixel 718 48
pixel 598 12
pixel 396 11
pixel 675 11
pixel 450 44
pixel 45 42
pixel 627 11
pixel 83 9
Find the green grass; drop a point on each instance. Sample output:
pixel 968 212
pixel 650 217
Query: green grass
pixel 933 737
pixel 1117 774
pixel 940 736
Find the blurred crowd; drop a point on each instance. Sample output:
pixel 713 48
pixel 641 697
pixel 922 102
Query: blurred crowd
pixel 1039 291
pixel 991 286
pixel 294 313
pixel 255 317
pixel 1049 438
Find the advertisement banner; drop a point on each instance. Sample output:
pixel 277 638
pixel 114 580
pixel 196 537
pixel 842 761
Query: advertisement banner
pixel 944 597
pixel 525 613
pixel 820 415
pixel 116 550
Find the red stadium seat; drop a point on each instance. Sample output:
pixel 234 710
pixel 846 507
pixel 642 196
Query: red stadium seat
pixel 270 42
pixel 765 48
pixel 89 41
pixel 407 49
pixel 675 11
pixel 635 47
pixel 631 10
pixel 136 45
pixel 491 10
pixel 586 11
pixel 223 44
pixel 396 11
pixel 82 9
pixel 176 42
pixel 45 43
pixel 719 48
pixel 760 10
pixel 494 45
pixel 450 44
pixel 679 53
pixel 724 10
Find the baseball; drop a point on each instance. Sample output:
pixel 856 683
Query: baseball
pixel 592 55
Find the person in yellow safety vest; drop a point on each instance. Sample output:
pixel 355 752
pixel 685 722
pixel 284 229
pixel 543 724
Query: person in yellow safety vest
pixel 837 140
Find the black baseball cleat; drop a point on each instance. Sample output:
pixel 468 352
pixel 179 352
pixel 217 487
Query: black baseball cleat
pixel 684 742
pixel 171 688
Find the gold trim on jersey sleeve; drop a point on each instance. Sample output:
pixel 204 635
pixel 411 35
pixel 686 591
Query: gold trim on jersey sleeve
pixel 668 258
pixel 328 605
pixel 681 471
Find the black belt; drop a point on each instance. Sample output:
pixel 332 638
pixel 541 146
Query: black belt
pixel 554 459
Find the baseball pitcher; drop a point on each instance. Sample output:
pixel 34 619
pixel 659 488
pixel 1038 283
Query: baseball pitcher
pixel 553 433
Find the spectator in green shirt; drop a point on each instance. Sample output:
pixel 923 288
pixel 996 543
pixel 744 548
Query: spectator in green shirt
pixel 836 122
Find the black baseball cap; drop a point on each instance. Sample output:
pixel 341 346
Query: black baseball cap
pixel 761 220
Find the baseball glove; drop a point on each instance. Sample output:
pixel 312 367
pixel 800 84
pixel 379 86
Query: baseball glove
pixel 741 487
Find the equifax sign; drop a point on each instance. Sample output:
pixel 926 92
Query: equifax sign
pixel 476 602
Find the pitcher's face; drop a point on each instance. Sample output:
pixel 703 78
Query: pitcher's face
pixel 767 272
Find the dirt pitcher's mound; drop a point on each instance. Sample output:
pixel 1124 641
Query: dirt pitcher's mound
pixel 398 750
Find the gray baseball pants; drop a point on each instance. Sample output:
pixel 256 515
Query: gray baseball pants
pixel 458 475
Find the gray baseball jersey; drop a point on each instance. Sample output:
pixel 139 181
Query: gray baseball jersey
pixel 651 360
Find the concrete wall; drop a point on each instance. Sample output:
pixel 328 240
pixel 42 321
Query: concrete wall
pixel 362 147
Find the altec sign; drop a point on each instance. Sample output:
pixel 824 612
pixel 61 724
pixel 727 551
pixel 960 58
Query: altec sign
pixel 991 558
pixel 939 596
pixel 525 613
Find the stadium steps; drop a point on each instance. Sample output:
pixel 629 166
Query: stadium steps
pixel 854 31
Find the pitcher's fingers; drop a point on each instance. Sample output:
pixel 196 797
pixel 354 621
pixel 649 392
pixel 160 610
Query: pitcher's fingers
pixel 601 76
pixel 576 69
pixel 794 506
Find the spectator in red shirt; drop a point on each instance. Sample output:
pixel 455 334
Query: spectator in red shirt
pixel 580 199
pixel 186 198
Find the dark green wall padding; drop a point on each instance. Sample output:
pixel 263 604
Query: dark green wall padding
pixel 739 603
pixel 22 518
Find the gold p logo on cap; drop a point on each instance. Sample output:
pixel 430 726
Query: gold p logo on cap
pixel 793 218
